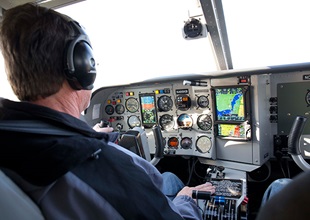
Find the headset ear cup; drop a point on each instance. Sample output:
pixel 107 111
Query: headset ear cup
pixel 80 64
pixel 85 65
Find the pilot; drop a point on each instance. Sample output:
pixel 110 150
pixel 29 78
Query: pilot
pixel 70 170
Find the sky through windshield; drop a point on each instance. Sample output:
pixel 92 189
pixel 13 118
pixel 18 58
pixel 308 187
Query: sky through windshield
pixel 143 39
pixel 268 32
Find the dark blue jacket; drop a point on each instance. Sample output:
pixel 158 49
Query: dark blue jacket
pixel 83 175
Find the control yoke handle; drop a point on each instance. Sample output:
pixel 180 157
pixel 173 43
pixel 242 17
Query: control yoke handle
pixel 159 145
pixel 294 142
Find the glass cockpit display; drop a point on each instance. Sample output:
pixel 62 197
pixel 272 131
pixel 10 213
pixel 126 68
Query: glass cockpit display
pixel 232 112
pixel 230 130
pixel 148 109
pixel 229 104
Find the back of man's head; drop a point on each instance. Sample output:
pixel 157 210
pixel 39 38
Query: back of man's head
pixel 34 41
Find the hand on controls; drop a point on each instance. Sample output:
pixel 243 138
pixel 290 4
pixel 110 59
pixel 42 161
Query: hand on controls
pixel 98 128
pixel 203 187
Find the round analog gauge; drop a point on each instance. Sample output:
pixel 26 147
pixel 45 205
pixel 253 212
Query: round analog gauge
pixel 183 102
pixel 109 109
pixel 204 122
pixel 203 144
pixel 203 101
pixel 164 103
pixel 173 142
pixel 308 97
pixel 134 121
pixel 132 105
pixel 192 28
pixel 186 143
pixel 185 121
pixel 119 109
pixel 166 122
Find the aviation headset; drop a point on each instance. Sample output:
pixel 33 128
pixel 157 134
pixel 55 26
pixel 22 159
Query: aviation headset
pixel 80 65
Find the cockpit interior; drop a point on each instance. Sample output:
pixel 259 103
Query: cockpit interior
pixel 229 126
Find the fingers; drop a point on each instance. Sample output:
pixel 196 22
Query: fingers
pixel 208 187
pixel 104 129
pixel 205 187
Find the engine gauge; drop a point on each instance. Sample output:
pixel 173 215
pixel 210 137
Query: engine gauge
pixel 204 122
pixel 166 122
pixel 185 121
pixel 203 101
pixel 119 109
pixel 109 109
pixel 134 121
pixel 132 105
pixel 164 103
pixel 173 142
pixel 186 143
pixel 203 144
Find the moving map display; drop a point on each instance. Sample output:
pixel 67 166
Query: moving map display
pixel 230 104
pixel 232 112
pixel 230 130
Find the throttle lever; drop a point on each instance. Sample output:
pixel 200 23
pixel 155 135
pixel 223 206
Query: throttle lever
pixel 201 195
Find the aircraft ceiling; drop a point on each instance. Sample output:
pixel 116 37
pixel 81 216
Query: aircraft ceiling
pixel 7 4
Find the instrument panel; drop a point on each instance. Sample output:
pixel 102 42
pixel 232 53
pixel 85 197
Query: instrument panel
pixel 184 114
pixel 227 121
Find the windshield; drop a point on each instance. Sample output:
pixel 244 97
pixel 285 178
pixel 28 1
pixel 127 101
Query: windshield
pixel 140 40
pixel 137 40
pixel 267 32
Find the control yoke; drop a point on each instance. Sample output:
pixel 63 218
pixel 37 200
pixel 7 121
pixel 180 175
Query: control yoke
pixel 159 145
pixel 294 141
pixel 136 141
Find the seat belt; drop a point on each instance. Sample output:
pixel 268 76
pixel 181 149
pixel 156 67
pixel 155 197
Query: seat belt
pixel 34 127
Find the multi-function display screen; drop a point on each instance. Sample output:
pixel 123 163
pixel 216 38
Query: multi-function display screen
pixel 230 104
pixel 232 112
pixel 230 130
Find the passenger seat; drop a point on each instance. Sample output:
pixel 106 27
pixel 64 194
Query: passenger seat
pixel 14 203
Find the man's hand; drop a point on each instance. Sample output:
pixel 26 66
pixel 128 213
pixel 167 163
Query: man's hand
pixel 102 129
pixel 203 187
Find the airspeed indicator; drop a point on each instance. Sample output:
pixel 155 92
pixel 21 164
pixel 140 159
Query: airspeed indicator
pixel 132 105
